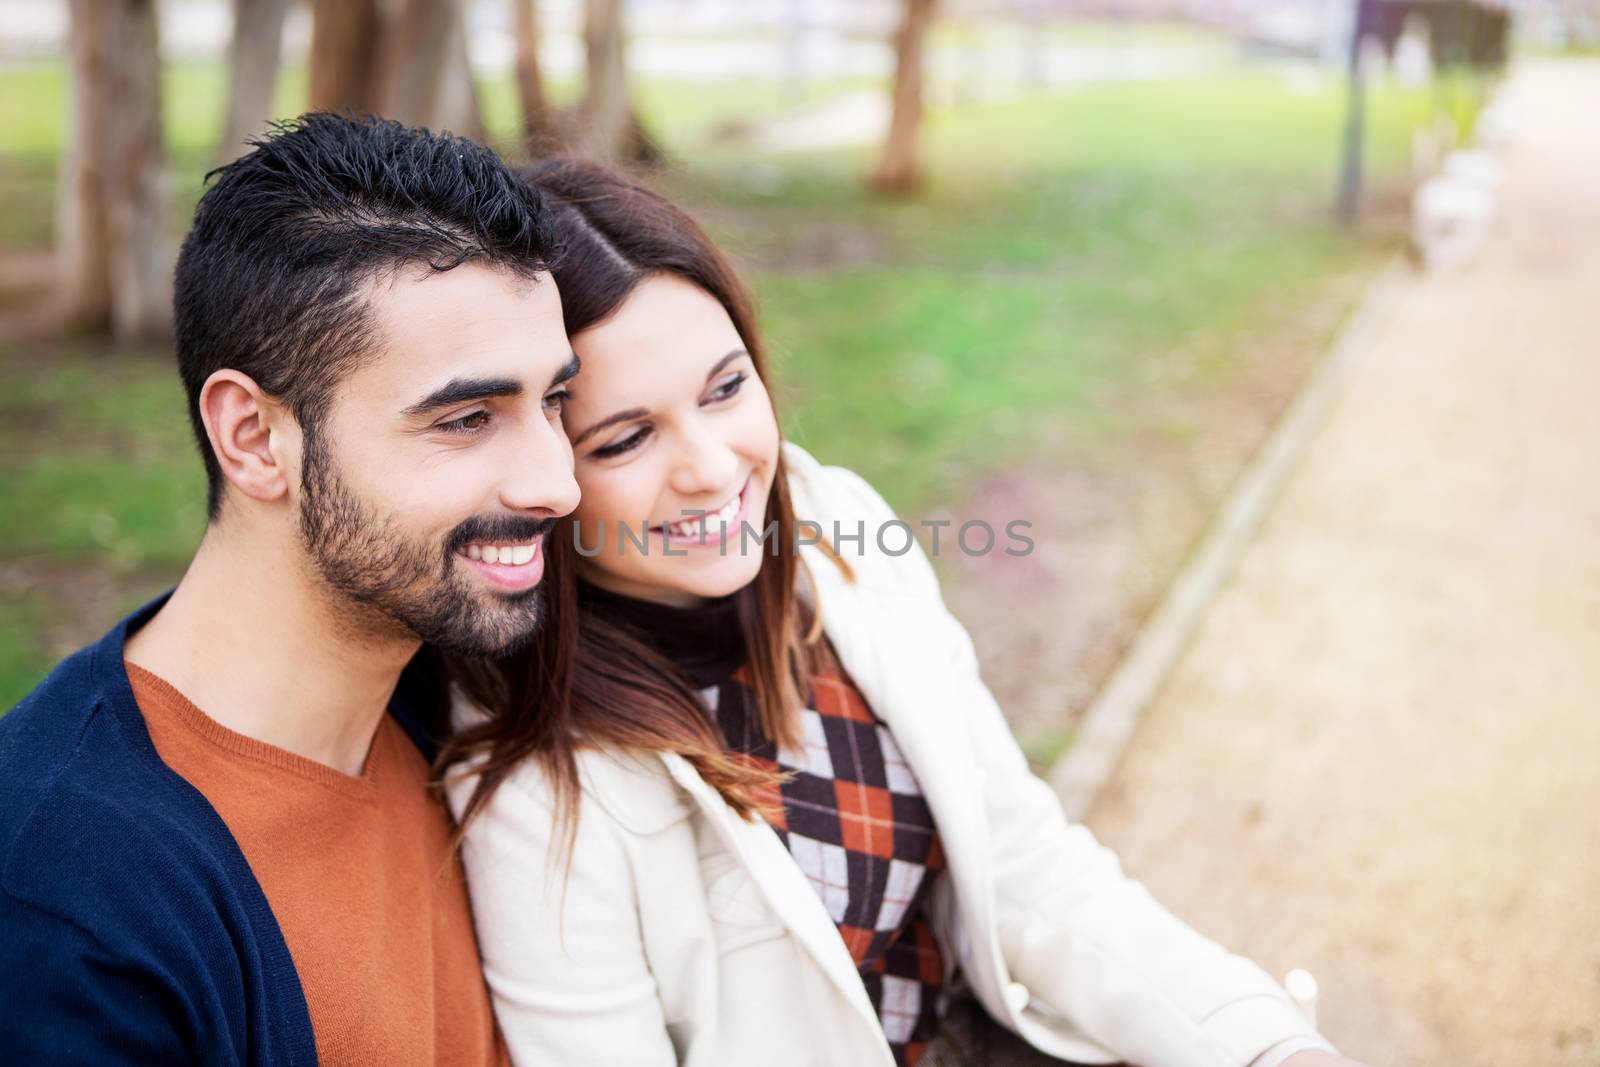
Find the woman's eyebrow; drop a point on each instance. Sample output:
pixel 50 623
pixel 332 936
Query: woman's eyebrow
pixel 639 413
pixel 609 420
pixel 724 361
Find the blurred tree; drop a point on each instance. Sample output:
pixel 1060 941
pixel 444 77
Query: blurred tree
pixel 899 166
pixel 458 107
pixel 410 63
pixel 537 126
pixel 252 70
pixel 112 253
pixel 344 35
pixel 424 77
pixel 415 56
pixel 608 126
pixel 1363 22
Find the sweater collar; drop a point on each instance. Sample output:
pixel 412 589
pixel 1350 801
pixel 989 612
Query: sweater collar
pixel 417 702
pixel 705 642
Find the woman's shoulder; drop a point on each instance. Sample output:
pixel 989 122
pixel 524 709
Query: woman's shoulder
pixel 853 518
pixel 825 492
pixel 633 790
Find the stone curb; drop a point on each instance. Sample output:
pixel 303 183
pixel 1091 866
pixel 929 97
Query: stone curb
pixel 1108 725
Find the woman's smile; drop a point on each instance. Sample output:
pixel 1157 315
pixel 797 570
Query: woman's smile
pixel 705 527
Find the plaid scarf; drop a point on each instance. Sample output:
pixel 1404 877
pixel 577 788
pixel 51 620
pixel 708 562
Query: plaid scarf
pixel 856 822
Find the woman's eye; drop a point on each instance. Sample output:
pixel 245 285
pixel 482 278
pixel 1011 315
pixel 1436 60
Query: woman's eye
pixel 728 386
pixel 626 444
pixel 471 423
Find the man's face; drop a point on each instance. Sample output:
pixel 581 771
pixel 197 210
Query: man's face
pixel 441 464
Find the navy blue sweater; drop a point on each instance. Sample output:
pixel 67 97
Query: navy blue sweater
pixel 131 927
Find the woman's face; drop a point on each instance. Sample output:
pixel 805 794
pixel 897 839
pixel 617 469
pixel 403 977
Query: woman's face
pixel 671 430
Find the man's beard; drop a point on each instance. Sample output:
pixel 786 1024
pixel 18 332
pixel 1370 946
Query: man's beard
pixel 373 566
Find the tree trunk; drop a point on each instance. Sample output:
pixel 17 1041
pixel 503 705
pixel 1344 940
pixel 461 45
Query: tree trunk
pixel 608 128
pixel 343 54
pixel 418 61
pixel 458 108
pixel 899 168
pixel 114 261
pixel 84 276
pixel 257 41
pixel 538 134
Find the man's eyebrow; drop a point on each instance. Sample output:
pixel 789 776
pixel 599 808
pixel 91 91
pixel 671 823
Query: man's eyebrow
pixel 463 391
pixel 568 372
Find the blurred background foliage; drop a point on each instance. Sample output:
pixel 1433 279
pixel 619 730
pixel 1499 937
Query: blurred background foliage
pixel 1103 205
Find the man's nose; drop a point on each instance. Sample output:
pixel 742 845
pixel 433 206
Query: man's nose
pixel 540 473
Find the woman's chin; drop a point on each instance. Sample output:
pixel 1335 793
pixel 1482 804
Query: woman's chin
pixel 680 583
pixel 728 576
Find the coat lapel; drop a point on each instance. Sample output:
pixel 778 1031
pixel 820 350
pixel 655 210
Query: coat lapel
pixel 782 884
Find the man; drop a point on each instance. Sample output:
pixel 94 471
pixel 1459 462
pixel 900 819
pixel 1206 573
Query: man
pixel 216 839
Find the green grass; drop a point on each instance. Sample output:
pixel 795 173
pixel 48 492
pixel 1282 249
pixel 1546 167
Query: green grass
pixel 98 476
pixel 100 467
pixel 23 661
pixel 1067 251
pixel 1044 747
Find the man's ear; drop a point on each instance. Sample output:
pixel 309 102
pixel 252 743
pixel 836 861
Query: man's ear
pixel 255 440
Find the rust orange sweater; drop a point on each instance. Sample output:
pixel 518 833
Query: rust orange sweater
pixel 361 878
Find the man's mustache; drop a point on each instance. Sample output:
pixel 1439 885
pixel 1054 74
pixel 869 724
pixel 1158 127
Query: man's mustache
pixel 499 529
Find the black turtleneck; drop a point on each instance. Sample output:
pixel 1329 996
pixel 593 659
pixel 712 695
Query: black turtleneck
pixel 704 641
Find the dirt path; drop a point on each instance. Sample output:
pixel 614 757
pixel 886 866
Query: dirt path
pixel 1380 757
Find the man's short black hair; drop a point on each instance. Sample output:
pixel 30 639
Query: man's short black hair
pixel 271 279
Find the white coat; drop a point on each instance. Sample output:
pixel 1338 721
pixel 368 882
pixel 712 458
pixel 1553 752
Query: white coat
pixel 685 935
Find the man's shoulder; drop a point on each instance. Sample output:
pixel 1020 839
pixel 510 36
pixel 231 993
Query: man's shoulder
pixel 103 855
pixel 45 723
pixel 54 755
pixel 69 719
pixel 118 902
pixel 94 828
pixel 72 851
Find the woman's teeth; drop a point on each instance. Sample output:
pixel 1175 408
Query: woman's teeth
pixel 506 555
pixel 698 525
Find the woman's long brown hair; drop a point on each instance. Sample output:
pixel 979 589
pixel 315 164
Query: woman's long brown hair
pixel 584 682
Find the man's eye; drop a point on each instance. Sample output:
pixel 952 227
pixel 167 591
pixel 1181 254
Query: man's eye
pixel 554 402
pixel 473 423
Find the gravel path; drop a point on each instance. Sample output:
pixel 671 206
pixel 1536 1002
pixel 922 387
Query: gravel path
pixel 1380 757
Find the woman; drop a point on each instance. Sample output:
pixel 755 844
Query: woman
pixel 746 800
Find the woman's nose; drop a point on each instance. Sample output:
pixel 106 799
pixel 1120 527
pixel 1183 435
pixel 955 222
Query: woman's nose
pixel 704 464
